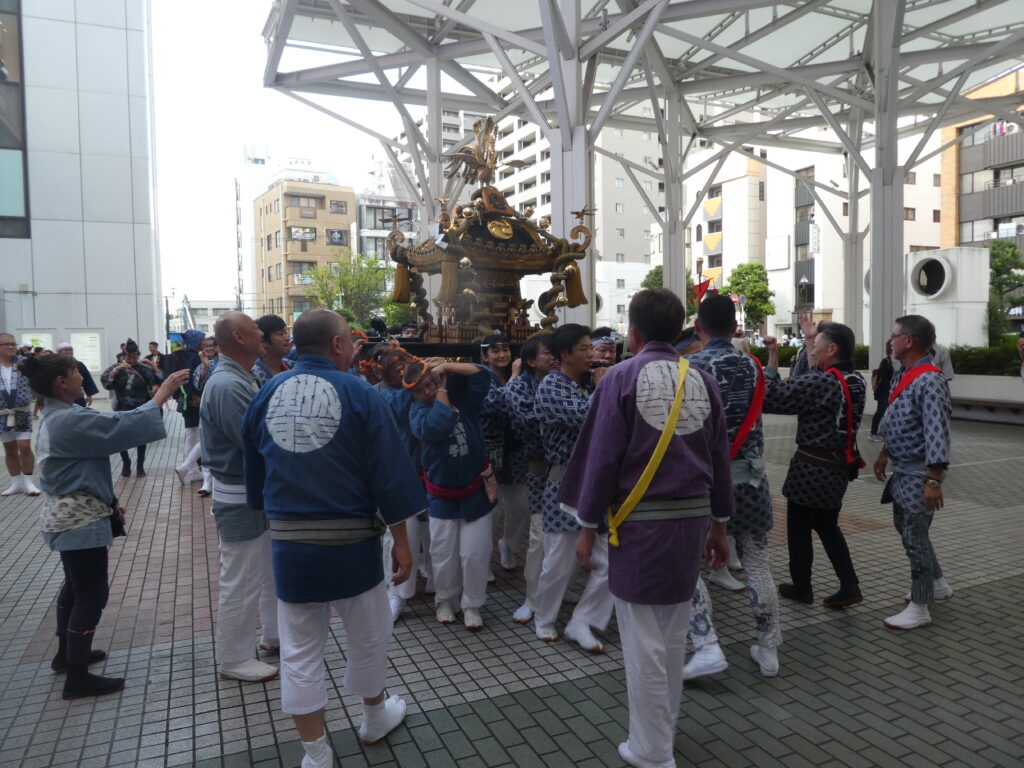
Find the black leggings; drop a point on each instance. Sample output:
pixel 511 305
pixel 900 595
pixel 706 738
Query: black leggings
pixel 880 408
pixel 140 458
pixel 81 600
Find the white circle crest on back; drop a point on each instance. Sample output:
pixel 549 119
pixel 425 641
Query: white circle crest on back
pixel 304 414
pixel 656 388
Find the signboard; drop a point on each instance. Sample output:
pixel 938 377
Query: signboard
pixel 88 349
pixel 337 237
pixel 42 339
pixel 303 233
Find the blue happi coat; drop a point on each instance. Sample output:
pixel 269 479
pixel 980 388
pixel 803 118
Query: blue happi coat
pixel 320 444
pixel 452 447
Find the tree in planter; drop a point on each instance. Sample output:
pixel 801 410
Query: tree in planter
pixel 1006 267
pixel 357 283
pixel 655 280
pixel 751 281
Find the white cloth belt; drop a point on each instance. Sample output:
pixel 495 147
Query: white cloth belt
pixel 226 493
pixel 671 509
pixel 15 409
pixel 747 471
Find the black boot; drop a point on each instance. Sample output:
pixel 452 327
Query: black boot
pixel 60 661
pixel 80 683
pixel 792 592
pixel 844 598
pixel 140 471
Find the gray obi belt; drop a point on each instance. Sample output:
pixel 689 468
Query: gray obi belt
pixel 747 471
pixel 328 533
pixel 669 509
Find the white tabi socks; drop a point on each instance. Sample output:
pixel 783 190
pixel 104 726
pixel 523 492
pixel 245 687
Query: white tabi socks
pixel 17 486
pixel 318 754
pixel 380 719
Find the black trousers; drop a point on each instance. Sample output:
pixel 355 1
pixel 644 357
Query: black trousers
pixel 800 521
pixel 880 408
pixel 81 601
pixel 140 457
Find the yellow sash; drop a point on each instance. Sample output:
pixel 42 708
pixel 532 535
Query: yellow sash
pixel 635 496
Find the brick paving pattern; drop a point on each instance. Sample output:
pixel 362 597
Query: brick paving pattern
pixel 850 693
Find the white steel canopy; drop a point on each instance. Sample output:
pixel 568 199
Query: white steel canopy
pixel 870 72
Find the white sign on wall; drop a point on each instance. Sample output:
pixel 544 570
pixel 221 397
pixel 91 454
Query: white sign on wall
pixel 776 252
pixel 36 338
pixel 88 348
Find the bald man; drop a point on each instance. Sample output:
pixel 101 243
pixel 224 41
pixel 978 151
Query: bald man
pixel 246 572
pixel 320 457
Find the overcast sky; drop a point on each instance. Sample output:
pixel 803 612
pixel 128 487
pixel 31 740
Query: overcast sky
pixel 209 100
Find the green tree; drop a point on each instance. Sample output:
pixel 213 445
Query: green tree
pixel 751 281
pixel 398 314
pixel 655 280
pixel 356 283
pixel 1006 268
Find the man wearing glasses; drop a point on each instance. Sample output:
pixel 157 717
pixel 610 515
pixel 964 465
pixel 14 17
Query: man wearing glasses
pixel 917 441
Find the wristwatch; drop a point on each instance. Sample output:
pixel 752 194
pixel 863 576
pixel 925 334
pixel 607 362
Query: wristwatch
pixel 931 482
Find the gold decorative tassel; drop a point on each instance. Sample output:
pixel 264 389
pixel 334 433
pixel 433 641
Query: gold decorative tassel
pixel 400 293
pixel 574 285
pixel 449 290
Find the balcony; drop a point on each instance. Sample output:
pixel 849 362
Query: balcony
pixel 712 243
pixel 802 233
pixel 1004 200
pixel 802 197
pixel 1001 151
pixel 712 209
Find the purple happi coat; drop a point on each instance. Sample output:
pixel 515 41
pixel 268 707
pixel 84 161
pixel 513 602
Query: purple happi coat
pixel 657 563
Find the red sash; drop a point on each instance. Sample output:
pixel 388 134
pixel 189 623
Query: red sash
pixel 851 457
pixel 909 376
pixel 454 494
pixel 756 404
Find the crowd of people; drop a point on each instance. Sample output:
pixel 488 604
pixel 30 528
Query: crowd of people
pixel 625 457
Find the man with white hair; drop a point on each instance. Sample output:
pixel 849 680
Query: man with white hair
pixel 246 575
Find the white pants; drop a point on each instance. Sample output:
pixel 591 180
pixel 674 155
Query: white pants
pixel 418 532
pixel 304 628
pixel 534 558
pixel 246 583
pixel 514 511
pixel 560 564
pixel 653 652
pixel 461 555
pixel 192 449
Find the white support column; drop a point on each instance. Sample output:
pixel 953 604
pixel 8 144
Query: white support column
pixel 887 268
pixel 853 253
pixel 435 168
pixel 674 265
pixel 571 165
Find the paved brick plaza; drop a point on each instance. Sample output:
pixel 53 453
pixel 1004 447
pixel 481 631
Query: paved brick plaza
pixel 850 693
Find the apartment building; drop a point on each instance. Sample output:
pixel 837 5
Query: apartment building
pixel 983 176
pixel 298 225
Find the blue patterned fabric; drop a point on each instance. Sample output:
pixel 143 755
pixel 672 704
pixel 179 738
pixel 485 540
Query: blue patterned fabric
pixel 20 396
pixel 263 374
pixel 131 387
pixel 736 374
pixel 561 407
pixel 504 449
pixel 817 399
pixel 917 423
pixel 520 395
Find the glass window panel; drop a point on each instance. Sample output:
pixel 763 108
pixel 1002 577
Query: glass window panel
pixel 966 183
pixel 12 183
pixel 10 46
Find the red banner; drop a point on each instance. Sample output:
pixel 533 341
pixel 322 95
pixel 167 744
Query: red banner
pixel 700 289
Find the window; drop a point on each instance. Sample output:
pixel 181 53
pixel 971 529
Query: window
pixel 277 205
pixel 714 226
pixel 648 185
pixel 620 207
pixel 14 213
pixel 339 206
pixel 911 178
pixel 620 309
pixel 647 258
pixel 760 191
pixel 620 283
pixel 619 182
pixel 620 258
pixel 648 160
pixel 802 253
pixel 301 305
pixel 910 214
pixel 936 216
pixel 617 132
pixel 936 179
pixel 805 213
pixel 647 112
pixel 620 232
pixel 270 274
pixel 698 238
pixel 277 271
pixel 270 242
pixel 715 261
pixel 846 209
pixel 277 239
pixel 715 191
pixel 647 136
